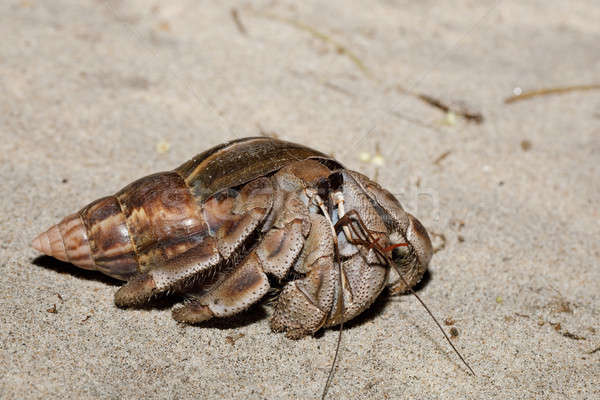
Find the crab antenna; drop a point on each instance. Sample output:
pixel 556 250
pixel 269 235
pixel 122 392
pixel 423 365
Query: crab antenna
pixel 374 242
pixel 333 364
pixel 432 317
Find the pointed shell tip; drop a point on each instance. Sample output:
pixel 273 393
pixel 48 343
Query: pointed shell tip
pixel 37 243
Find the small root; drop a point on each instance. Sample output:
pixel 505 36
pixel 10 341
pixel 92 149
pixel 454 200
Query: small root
pixel 548 91
pixel 558 328
pixel 238 22
pixel 339 48
pixel 442 157
pixel 597 349
pixel 440 105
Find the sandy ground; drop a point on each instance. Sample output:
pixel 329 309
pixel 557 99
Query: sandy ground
pixel 94 92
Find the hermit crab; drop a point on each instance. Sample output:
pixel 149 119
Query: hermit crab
pixel 235 220
pixel 218 227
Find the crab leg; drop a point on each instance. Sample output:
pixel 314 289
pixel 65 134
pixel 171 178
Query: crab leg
pixel 242 288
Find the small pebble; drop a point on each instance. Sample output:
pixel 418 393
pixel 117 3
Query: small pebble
pixel 364 156
pixel 378 160
pixel 162 147
pixel 450 119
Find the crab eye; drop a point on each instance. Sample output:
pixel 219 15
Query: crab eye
pixel 399 254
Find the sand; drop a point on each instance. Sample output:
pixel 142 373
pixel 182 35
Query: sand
pixel 96 94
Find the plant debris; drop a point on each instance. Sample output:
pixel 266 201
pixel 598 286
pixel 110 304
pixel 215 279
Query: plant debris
pixel 339 48
pixel 440 105
pixel 558 328
pixel 560 304
pixel 549 91
pixel 453 332
pixel 359 63
pixel 364 156
pixel 377 159
pixel 238 22
pixel 572 335
pixel 164 26
pixel 415 121
pixel 442 241
pixel 449 119
pixel 337 88
pixel 469 116
pixel 442 157
pixel 457 224
pixel 234 338
pixel 597 349
pixel 162 147
pixel 525 145
pixel 87 316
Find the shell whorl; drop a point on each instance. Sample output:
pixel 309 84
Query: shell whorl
pixel 95 238
pixel 67 241
pixel 152 222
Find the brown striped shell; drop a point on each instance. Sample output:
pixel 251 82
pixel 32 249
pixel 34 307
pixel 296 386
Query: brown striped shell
pixel 217 226
pixel 161 215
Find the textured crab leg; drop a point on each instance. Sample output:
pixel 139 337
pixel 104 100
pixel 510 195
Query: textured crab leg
pixel 283 242
pixel 305 304
pixel 229 219
pixel 242 288
pixel 280 247
pixel 248 283
pixel 276 253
